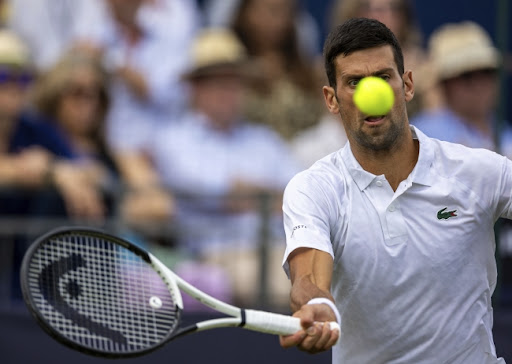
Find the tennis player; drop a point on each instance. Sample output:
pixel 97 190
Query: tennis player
pixel 393 234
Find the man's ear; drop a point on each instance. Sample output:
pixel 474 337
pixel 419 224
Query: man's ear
pixel 408 86
pixel 330 100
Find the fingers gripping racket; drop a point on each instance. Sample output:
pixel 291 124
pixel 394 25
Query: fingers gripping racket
pixel 102 295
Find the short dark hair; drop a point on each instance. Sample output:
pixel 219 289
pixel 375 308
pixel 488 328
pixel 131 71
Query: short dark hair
pixel 358 34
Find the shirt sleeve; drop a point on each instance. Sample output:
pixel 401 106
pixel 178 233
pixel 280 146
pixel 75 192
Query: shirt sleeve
pixel 307 214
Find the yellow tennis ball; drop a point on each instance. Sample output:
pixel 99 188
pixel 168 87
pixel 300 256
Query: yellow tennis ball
pixel 374 96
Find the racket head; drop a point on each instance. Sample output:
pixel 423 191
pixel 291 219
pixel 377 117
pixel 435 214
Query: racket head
pixel 98 293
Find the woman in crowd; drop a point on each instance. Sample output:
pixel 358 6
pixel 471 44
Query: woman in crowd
pixel 73 95
pixel 285 93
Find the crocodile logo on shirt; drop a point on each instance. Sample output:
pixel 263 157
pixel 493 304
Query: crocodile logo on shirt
pixel 445 215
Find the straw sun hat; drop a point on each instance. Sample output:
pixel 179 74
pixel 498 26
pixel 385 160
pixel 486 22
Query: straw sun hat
pixel 216 51
pixel 460 48
pixel 13 51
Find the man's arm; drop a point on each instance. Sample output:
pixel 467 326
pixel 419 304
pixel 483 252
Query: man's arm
pixel 311 273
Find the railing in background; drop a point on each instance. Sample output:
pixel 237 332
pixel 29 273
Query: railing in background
pixel 17 232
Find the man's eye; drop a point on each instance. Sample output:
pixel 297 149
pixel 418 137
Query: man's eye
pixel 385 77
pixel 353 83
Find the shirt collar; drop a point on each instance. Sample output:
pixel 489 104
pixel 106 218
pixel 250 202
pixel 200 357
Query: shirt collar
pixel 419 175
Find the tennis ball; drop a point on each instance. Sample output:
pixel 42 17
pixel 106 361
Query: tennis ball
pixel 374 96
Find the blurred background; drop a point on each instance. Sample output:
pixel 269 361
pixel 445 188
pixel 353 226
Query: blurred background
pixel 176 124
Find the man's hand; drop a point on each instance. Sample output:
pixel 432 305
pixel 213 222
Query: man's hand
pixel 316 335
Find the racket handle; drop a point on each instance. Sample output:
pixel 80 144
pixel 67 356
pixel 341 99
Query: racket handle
pixel 271 323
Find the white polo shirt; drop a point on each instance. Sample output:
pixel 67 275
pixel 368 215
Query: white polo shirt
pixel 414 270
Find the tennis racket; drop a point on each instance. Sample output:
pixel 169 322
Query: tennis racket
pixel 105 296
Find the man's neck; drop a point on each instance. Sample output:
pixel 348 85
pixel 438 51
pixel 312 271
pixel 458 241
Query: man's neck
pixel 395 164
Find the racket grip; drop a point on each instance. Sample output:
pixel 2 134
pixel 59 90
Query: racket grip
pixel 271 323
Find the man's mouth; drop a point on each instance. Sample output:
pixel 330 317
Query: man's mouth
pixel 374 119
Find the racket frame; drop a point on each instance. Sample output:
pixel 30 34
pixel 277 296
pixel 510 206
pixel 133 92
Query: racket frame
pixel 255 320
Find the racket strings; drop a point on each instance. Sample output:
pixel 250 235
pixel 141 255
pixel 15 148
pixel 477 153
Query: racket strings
pixel 100 295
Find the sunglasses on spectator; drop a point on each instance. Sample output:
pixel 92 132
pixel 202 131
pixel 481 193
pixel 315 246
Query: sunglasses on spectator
pixel 22 78
pixel 471 75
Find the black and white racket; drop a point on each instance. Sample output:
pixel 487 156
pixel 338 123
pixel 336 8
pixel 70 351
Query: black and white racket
pixel 105 296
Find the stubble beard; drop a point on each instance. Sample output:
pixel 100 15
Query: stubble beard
pixel 382 138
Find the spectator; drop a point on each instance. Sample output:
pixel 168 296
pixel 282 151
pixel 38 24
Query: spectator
pixel 285 96
pixel 35 159
pixel 144 45
pixel 217 156
pixel 73 94
pixel 465 63
pixel 24 159
pixel 399 16
pixel 4 13
pixel 218 13
pixel 51 27
pixel 34 152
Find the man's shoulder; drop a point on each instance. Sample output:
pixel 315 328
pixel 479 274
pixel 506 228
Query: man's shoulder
pixel 453 150
pixel 459 161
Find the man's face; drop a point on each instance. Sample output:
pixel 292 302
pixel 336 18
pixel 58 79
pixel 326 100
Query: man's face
pixel 370 133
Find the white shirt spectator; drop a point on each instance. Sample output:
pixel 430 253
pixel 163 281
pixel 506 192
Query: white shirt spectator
pixel 161 56
pixel 50 27
pixel 195 159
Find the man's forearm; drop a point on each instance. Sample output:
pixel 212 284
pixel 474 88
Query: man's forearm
pixel 303 290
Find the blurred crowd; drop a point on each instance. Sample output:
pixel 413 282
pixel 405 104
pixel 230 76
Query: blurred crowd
pixel 196 115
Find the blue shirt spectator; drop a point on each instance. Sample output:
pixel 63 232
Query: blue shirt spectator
pixel 33 130
pixel 446 125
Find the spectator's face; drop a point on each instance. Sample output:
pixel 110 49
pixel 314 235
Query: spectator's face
pixel 270 20
pixel 473 93
pixel 12 93
pixel 78 110
pixel 388 12
pixel 124 11
pixel 220 98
